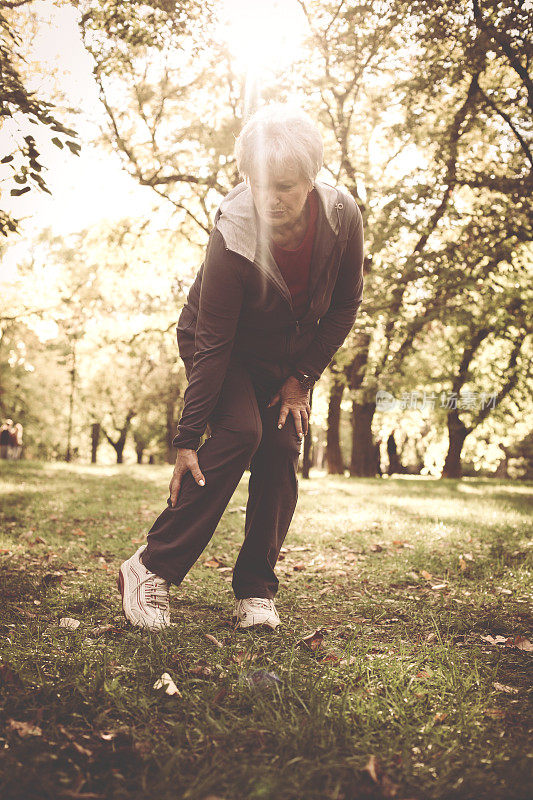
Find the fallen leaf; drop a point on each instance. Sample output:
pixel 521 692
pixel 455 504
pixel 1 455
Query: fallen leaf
pixel 347 662
pixel 24 728
pixel 165 682
pixel 502 687
pixel 495 639
pixel 372 767
pixel 426 575
pixel 438 586
pixel 220 695
pixel 376 548
pixel 522 643
pixel 69 623
pixel 440 717
pixel 78 532
pixel 299 566
pixel 214 562
pixel 243 656
pixel 199 669
pixel 213 639
pixel 313 640
pixel 100 629
pixel 328 657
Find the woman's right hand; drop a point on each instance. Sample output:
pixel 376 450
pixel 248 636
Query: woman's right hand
pixel 186 460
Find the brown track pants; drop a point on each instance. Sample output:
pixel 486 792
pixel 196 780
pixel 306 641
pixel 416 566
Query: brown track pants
pixel 244 433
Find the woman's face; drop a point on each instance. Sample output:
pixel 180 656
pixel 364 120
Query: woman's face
pixel 280 197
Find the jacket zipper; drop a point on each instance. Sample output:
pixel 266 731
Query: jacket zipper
pixel 338 206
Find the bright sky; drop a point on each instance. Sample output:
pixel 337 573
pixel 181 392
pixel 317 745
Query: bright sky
pixel 94 186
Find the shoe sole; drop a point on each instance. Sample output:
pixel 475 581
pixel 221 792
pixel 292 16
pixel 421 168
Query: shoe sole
pixel 263 624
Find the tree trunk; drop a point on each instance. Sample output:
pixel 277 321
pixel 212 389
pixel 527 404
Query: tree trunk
pixel 395 465
pixel 139 449
pixel 334 460
pixel 457 433
pixel 363 461
pixel 68 454
pixel 119 445
pixel 363 458
pixel 377 456
pixel 95 440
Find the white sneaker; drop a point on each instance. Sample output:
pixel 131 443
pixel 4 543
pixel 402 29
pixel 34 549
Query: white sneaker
pixel 145 596
pixel 256 611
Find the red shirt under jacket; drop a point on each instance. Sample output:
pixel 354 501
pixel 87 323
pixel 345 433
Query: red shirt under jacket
pixel 294 264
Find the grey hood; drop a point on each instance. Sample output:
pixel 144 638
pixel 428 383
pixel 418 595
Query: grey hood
pixel 241 229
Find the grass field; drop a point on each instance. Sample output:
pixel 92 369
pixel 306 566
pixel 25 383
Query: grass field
pixel 415 685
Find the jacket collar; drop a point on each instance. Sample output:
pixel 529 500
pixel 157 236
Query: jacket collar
pixel 240 225
pixel 243 233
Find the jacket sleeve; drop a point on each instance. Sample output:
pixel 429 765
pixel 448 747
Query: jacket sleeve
pixel 221 296
pixel 337 322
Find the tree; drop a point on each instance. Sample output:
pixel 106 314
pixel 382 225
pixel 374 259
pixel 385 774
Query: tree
pixel 464 93
pixel 19 110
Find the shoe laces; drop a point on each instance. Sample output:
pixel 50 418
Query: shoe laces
pixel 156 591
pixel 261 602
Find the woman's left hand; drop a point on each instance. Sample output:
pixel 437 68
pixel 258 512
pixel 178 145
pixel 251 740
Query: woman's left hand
pixel 294 398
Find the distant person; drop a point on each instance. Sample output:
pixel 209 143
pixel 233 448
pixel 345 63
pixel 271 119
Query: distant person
pixel 272 303
pixel 5 438
pixel 17 440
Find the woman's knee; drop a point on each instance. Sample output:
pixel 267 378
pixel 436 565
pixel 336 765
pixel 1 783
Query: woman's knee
pixel 284 442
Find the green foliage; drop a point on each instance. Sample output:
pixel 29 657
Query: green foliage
pixel 18 107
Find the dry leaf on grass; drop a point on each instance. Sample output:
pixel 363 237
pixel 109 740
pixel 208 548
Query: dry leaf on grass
pixel 100 629
pixel 201 670
pixel 24 728
pixel 378 776
pixel 313 640
pixel 501 687
pixel 165 682
pixel 69 623
pixel 213 639
pixel 214 562
pixel 220 695
pixel 520 642
pixel 328 657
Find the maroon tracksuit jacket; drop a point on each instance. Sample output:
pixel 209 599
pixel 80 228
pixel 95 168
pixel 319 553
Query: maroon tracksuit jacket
pixel 240 304
pixel 239 338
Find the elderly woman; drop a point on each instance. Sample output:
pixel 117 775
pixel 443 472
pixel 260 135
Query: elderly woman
pixel 273 301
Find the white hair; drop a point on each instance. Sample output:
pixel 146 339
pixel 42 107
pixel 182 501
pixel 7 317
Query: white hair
pixel 277 136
